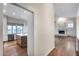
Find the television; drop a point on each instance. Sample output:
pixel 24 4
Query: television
pixel 61 32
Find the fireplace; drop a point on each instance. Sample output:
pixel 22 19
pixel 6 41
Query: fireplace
pixel 61 32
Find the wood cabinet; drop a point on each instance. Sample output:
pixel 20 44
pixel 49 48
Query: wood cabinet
pixel 21 40
pixel 10 37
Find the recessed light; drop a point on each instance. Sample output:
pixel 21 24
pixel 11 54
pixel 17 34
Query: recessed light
pixel 5 4
pixel 4 11
pixel 13 13
pixel 24 11
pixel 61 20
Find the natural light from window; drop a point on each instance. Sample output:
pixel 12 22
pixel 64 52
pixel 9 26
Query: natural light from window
pixel 15 29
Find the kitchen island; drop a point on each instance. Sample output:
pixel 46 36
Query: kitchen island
pixel 21 40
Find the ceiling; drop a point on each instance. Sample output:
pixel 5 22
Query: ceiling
pixel 66 9
pixel 61 10
pixel 15 11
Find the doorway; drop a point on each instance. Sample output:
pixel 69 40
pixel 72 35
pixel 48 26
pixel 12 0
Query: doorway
pixel 18 31
pixel 65 38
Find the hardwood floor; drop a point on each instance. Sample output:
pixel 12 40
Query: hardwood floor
pixel 12 49
pixel 77 53
pixel 64 46
pixel 56 52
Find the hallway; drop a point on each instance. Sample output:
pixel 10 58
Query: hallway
pixel 65 46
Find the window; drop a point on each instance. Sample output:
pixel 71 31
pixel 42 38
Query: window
pixel 19 29
pixel 70 25
pixel 9 29
pixel 14 29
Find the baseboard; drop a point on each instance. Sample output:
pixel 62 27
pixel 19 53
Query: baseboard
pixel 5 41
pixel 46 54
pixel 8 41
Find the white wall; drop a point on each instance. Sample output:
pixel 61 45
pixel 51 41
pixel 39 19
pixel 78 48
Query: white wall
pixel 77 44
pixel 30 34
pixel 5 33
pixel 77 34
pixel 43 27
pixel 25 28
pixel 78 24
pixel 46 29
pixel 15 20
pixel 78 11
pixel 77 27
pixel 1 30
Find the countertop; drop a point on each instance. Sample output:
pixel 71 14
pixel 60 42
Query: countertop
pixel 22 34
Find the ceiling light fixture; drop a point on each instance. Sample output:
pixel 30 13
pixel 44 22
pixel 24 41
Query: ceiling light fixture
pixel 13 13
pixel 24 11
pixel 4 11
pixel 61 20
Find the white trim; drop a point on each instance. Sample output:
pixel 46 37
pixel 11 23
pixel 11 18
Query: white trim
pixel 78 12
